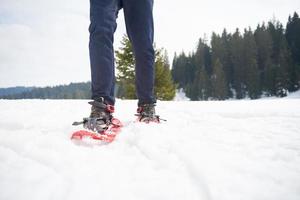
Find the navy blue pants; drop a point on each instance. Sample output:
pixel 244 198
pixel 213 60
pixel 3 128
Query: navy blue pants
pixel 139 26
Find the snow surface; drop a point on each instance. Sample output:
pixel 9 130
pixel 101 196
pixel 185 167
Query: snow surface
pixel 218 150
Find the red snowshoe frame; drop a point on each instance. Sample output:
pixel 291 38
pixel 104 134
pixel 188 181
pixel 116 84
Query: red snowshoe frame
pixel 107 136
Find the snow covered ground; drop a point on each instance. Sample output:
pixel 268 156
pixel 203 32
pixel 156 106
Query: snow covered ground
pixel 216 150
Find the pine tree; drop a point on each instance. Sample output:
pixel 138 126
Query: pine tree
pixel 264 45
pixel 218 80
pixel 292 36
pixel 203 56
pixel 281 60
pixel 203 69
pixel 226 61
pixel 236 51
pixel 293 39
pixel 126 69
pixel 250 65
pixel 164 87
pixel 182 70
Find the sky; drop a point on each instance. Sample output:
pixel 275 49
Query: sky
pixel 45 43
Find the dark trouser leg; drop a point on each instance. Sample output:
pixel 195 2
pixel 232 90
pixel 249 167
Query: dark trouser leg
pixel 139 25
pixel 103 14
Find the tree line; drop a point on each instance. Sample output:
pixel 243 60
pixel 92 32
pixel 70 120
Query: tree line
pixel 264 61
pixel 70 91
pixel 14 90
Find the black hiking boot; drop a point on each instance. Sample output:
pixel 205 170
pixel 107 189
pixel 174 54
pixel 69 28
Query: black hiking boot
pixel 100 117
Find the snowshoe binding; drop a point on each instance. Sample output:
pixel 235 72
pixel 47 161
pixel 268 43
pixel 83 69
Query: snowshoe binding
pixel 146 113
pixel 100 125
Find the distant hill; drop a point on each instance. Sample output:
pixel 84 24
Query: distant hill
pixel 14 90
pixel 70 91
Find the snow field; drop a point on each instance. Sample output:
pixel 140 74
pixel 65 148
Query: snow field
pixel 227 150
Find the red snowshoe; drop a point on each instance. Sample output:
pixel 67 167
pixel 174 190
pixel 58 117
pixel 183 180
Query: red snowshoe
pixel 107 135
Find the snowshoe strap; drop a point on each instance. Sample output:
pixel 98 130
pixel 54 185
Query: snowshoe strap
pixel 95 124
pixel 101 105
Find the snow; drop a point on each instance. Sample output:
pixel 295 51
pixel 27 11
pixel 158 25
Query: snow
pixel 229 150
pixel 293 95
pixel 180 95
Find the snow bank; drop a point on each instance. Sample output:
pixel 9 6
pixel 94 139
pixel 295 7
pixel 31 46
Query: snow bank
pixel 294 95
pixel 214 150
pixel 180 96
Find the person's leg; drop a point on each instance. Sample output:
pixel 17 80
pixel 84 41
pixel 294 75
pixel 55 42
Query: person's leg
pixel 139 25
pixel 103 14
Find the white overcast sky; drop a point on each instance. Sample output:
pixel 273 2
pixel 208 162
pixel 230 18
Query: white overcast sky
pixel 45 42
